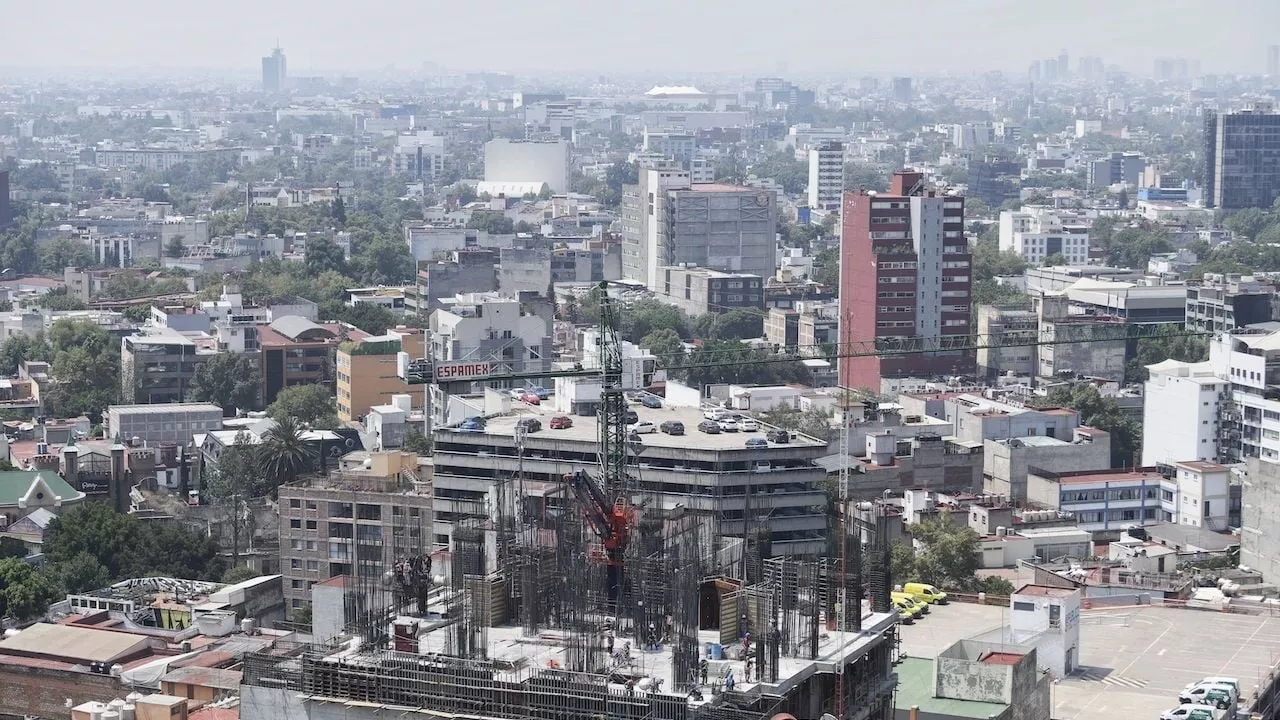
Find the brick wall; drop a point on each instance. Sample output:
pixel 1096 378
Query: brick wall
pixel 38 692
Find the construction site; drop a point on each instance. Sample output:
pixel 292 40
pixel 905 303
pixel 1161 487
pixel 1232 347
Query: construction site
pixel 596 600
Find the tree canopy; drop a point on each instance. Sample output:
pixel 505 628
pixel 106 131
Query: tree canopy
pixel 227 380
pixel 127 546
pixel 310 405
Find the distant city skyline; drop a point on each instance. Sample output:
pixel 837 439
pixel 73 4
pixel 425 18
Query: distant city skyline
pixel 565 35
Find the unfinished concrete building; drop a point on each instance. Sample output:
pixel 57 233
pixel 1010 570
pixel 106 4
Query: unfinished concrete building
pixel 530 621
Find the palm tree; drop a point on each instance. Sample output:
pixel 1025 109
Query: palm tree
pixel 284 453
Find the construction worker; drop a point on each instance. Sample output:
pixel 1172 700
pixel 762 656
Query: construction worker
pixel 702 668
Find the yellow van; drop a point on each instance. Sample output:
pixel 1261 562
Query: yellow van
pixel 917 607
pixel 925 593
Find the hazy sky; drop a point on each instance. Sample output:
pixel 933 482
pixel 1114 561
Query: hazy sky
pixel 925 36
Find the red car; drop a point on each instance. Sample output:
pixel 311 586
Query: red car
pixel 531 398
pixel 560 422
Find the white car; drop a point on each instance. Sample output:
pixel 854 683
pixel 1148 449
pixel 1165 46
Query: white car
pixel 644 428
pixel 728 425
pixel 1234 683
pixel 1218 695
pixel 1189 712
pixel 746 424
pixel 716 414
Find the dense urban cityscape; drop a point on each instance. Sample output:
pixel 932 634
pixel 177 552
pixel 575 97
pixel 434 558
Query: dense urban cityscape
pixel 465 389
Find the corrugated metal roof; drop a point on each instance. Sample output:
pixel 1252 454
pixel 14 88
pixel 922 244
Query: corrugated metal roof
pixel 295 326
pixel 74 643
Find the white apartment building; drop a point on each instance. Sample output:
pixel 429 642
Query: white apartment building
pixel 486 327
pixel 1202 495
pixel 419 154
pixel 1036 233
pixel 1180 415
pixel 545 162
pixel 1232 399
pixel 826 175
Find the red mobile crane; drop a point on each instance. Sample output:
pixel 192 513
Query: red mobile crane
pixel 612 522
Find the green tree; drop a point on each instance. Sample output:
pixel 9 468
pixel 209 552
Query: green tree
pixel 81 573
pixel 228 380
pixel 85 369
pixel 665 343
pixel 859 176
pixel 175 248
pixel 310 405
pixel 373 319
pixel 989 261
pixel 384 261
pixel 237 478
pixel 129 547
pixel 949 554
pixel 1055 260
pixel 284 454
pixel 59 299
pixel 61 253
pixel 323 255
pixel 1247 222
pixel 732 325
pixel 238 574
pixel 25 592
pixel 826 268
pixel 645 316
pixel 415 442
pixel 729 361
pixel 12 547
pixel 1166 345
pixel 20 348
pixel 1102 413
pixel 995 586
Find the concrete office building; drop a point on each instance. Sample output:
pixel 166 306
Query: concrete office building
pixel 275 72
pixel 826 175
pixel 1117 168
pixel 1005 461
pixel 350 523
pixel 1007 322
pixel 701 473
pixel 1105 502
pixel 162 422
pixel 1242 157
pixel 544 162
pixel 157 365
pixel 667 220
pixel 699 291
pixel 1038 233
pixel 1226 302
pixel 904 273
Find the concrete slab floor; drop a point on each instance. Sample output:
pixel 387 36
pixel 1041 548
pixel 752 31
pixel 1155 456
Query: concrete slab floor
pixel 1134 660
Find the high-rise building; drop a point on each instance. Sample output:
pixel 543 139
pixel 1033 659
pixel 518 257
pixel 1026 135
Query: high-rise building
pixel 902 91
pixel 826 175
pixel 1273 60
pixel 1242 157
pixel 6 209
pixel 667 220
pixel 274 71
pixel 904 273
pixel 1116 168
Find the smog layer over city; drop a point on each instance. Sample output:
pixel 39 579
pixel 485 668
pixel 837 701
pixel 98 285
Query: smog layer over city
pixel 680 361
